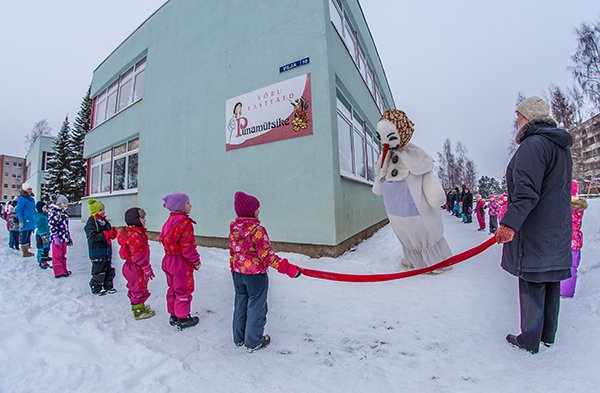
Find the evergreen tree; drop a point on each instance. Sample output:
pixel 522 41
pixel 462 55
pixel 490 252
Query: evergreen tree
pixel 81 127
pixel 60 166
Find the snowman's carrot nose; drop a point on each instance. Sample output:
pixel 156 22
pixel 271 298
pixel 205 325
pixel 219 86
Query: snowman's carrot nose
pixel 386 147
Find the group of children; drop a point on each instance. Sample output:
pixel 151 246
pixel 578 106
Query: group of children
pixel 496 209
pixel 250 258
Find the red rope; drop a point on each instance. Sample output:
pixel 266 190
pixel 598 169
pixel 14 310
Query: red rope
pixel 394 276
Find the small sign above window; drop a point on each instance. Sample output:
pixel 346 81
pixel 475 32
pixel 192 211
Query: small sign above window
pixel 296 64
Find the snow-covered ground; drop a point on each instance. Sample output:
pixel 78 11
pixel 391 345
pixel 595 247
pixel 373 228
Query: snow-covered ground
pixel 430 333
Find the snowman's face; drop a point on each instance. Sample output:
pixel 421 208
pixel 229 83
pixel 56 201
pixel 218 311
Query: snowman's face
pixel 387 133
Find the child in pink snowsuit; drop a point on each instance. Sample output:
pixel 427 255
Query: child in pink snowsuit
pixel 136 269
pixel 578 205
pixel 180 260
pixel 479 207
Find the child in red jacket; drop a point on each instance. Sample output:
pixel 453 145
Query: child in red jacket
pixel 180 260
pixel 136 269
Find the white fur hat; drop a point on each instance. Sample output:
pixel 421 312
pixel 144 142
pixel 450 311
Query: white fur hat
pixel 26 186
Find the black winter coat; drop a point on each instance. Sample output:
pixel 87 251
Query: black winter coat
pixel 99 248
pixel 467 201
pixel 539 205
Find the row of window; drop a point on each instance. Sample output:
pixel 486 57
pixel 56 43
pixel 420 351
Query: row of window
pixel 358 146
pixel 340 20
pixel 14 175
pixel 121 93
pixel 17 164
pixel 13 186
pixel 591 153
pixel 115 170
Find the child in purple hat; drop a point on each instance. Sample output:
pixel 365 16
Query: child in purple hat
pixel 251 256
pixel 180 260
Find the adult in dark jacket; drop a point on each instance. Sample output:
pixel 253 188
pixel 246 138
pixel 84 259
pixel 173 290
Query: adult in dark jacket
pixel 99 233
pixel 536 228
pixel 25 211
pixel 467 201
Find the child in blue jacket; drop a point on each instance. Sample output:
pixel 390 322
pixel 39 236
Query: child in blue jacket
pixel 42 234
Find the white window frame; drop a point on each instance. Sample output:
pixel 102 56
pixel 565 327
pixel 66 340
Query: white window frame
pixel 114 90
pixel 350 38
pixel 126 155
pixel 97 162
pixel 7 163
pixel 358 133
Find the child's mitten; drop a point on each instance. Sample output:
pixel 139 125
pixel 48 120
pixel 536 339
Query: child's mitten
pixel 196 265
pixel 56 240
pixel 287 268
pixel 148 273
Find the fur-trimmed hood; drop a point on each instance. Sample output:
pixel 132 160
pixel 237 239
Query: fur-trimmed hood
pixel 578 204
pixel 547 128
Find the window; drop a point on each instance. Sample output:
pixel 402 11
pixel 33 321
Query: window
pixel 358 149
pixel 46 160
pixel 14 186
pixel 5 197
pixel 7 163
pixel 116 169
pixel 14 175
pixel 14 163
pixel 349 35
pixel 5 185
pixel 20 165
pixel 6 174
pixel 127 89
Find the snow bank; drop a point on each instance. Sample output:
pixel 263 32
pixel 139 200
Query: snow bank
pixel 431 333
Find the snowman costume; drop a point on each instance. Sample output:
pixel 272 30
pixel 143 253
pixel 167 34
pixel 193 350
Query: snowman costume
pixel 412 193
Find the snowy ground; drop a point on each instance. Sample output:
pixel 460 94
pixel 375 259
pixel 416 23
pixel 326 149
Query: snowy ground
pixel 431 333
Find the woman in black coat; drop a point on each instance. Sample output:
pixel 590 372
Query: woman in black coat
pixel 536 228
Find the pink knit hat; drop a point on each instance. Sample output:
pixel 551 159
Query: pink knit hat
pixel 175 201
pixel 245 205
pixel 574 188
pixel 492 196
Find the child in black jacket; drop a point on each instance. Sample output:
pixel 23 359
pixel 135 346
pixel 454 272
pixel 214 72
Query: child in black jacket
pixel 99 233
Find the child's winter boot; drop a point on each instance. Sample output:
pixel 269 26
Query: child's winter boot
pixel 141 312
pixel 25 249
pixel 187 322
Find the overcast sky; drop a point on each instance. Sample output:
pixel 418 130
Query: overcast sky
pixel 454 67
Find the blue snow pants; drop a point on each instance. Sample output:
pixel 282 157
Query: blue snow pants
pixel 250 309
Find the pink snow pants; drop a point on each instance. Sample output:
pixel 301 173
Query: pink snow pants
pixel 481 221
pixel 180 279
pixel 567 287
pixel 59 259
pixel 136 283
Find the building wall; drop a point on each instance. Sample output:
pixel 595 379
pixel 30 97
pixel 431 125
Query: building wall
pixel 194 65
pixel 586 148
pixel 35 159
pixel 12 176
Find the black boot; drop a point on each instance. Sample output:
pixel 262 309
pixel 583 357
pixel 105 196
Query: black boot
pixel 187 322
pixel 263 345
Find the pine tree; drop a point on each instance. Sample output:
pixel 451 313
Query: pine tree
pixel 81 127
pixel 59 171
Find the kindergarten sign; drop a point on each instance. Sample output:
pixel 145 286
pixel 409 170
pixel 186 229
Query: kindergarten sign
pixel 273 113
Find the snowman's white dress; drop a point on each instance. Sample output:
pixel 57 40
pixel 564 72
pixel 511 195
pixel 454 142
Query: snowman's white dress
pixel 413 195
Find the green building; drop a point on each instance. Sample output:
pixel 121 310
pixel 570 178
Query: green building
pixel 277 99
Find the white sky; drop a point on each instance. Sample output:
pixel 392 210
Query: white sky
pixel 454 67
